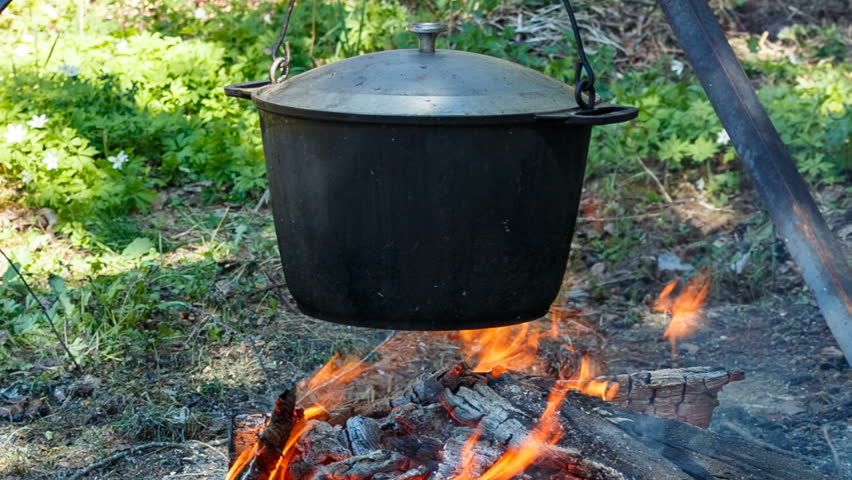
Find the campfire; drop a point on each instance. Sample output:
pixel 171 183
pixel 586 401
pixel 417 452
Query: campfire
pixel 524 401
pixel 491 352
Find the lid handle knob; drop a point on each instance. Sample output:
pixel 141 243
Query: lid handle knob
pixel 427 32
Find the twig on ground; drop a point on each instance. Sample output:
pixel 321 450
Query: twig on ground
pixel 616 279
pixel 212 446
pixel 14 434
pixel 656 180
pixel 266 289
pixel 14 267
pixel 130 451
pixel 834 454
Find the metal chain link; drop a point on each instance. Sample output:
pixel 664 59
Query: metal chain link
pixel 282 63
pixel 583 85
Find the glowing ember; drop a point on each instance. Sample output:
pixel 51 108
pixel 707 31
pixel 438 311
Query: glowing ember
pixel 546 432
pixel 685 308
pixel 490 348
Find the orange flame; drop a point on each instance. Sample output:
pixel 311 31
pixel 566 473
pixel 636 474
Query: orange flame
pixel 685 308
pixel 324 390
pixel 547 432
pixel 496 350
pixel 332 375
pixel 584 381
pixel 490 348
pixel 288 452
pixel 241 462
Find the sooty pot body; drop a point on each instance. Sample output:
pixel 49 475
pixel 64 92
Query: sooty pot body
pixel 424 227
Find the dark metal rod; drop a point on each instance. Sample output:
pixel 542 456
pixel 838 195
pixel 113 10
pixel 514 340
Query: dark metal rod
pixel 782 189
pixel 4 4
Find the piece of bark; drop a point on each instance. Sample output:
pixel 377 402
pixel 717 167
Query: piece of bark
pixel 685 394
pixel 245 429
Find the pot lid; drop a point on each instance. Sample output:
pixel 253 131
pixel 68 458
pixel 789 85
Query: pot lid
pixel 414 85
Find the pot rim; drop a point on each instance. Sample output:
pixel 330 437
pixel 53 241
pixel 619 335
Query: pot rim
pixel 602 114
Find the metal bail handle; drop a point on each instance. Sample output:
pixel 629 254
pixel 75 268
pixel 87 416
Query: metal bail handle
pixel 427 33
pixel 583 85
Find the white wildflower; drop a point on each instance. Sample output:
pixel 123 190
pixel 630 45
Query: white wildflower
pixel 121 46
pixel 27 38
pixel 26 177
pixel 15 133
pixel 723 138
pixel 119 160
pixel 69 70
pixel 267 18
pixel 677 67
pixel 200 14
pixel 51 12
pixel 22 50
pixel 51 160
pixel 38 121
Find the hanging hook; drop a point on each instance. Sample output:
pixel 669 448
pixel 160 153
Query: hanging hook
pixel 282 63
pixel 582 85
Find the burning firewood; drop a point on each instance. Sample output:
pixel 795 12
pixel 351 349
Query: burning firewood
pixel 459 425
pixel 258 462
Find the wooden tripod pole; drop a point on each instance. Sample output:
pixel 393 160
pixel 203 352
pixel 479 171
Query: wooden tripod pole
pixel 782 189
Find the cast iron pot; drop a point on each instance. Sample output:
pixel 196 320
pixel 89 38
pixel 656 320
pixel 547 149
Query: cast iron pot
pixel 424 189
